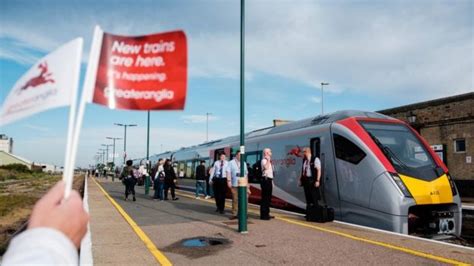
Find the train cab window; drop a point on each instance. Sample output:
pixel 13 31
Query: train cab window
pixel 346 150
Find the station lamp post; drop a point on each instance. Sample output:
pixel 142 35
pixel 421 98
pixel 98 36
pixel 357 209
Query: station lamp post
pixel 125 138
pixel 207 126
pixel 98 157
pixel 147 177
pixel 322 96
pixel 113 147
pixel 106 152
pixel 103 155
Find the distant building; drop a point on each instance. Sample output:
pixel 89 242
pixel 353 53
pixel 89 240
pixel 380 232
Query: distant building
pixel 6 144
pixel 448 126
pixel 50 168
pixel 8 158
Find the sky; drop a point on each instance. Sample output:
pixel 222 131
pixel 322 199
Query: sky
pixel 374 54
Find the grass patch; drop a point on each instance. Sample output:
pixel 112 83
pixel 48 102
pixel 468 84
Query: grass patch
pixel 9 203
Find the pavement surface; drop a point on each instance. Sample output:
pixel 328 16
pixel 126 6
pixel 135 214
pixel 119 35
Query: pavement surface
pixel 288 239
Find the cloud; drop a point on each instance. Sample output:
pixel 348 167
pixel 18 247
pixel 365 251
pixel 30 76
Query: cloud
pixel 194 119
pixel 315 99
pixel 388 49
pixel 37 128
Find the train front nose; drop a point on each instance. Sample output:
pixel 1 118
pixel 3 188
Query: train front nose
pixel 438 207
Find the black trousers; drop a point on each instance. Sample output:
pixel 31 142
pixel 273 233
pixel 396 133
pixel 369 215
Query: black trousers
pixel 129 187
pixel 170 186
pixel 267 189
pixel 220 189
pixel 311 193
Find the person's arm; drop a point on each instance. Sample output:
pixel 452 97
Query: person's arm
pixel 55 230
pixel 211 173
pixel 229 169
pixel 266 164
pixel 317 165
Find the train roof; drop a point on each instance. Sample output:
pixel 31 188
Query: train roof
pixel 308 122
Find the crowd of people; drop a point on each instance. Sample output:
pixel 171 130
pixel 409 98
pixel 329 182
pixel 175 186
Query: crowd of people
pixel 223 177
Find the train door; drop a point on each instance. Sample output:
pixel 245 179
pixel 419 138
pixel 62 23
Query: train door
pixel 322 148
pixel 217 153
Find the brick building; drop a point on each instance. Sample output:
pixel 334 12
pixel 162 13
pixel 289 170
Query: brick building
pixel 448 126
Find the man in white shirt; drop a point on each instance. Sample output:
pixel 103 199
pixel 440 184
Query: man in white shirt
pixel 219 181
pixel 233 175
pixel 310 177
pixel 266 184
pixel 55 230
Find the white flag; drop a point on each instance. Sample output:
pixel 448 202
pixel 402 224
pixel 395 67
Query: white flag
pixel 52 82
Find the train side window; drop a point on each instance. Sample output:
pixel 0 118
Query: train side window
pixel 189 169
pixel 346 150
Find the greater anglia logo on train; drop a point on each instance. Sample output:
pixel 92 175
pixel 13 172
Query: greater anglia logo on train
pixel 297 151
pixel 42 78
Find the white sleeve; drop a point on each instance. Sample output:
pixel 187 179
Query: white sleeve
pixel 263 163
pixel 44 246
pixel 213 170
pixel 317 163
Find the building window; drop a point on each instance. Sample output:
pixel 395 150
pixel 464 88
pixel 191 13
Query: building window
pixel 459 145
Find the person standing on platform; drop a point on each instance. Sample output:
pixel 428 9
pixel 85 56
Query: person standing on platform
pixel 219 182
pixel 266 184
pixel 233 175
pixel 310 177
pixel 170 180
pixel 159 181
pixel 129 179
pixel 201 177
pixel 144 175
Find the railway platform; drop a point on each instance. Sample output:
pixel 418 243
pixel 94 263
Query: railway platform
pixel 189 231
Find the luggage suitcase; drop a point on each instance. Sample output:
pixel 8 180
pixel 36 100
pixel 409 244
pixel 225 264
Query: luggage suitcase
pixel 320 214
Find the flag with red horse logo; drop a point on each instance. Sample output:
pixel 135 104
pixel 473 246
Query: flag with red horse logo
pixel 146 72
pixel 51 82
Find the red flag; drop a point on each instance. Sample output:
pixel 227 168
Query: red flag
pixel 142 72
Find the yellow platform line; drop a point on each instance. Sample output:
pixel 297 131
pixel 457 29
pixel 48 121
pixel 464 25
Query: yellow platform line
pixel 159 256
pixel 357 238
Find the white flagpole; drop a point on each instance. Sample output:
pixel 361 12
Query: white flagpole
pixel 87 90
pixel 72 110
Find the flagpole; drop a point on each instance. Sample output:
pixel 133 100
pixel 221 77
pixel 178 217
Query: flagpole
pixel 72 115
pixel 86 95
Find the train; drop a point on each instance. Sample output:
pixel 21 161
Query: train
pixel 376 171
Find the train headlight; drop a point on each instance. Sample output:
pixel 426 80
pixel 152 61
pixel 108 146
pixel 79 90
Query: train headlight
pixel 401 185
pixel 453 186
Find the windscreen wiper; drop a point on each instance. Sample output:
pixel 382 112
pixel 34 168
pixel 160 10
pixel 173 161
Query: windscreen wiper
pixel 388 152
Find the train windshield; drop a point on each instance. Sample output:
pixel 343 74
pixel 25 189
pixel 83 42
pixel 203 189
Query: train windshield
pixel 403 149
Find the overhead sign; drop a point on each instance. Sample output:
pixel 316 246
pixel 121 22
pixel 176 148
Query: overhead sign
pixel 146 72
